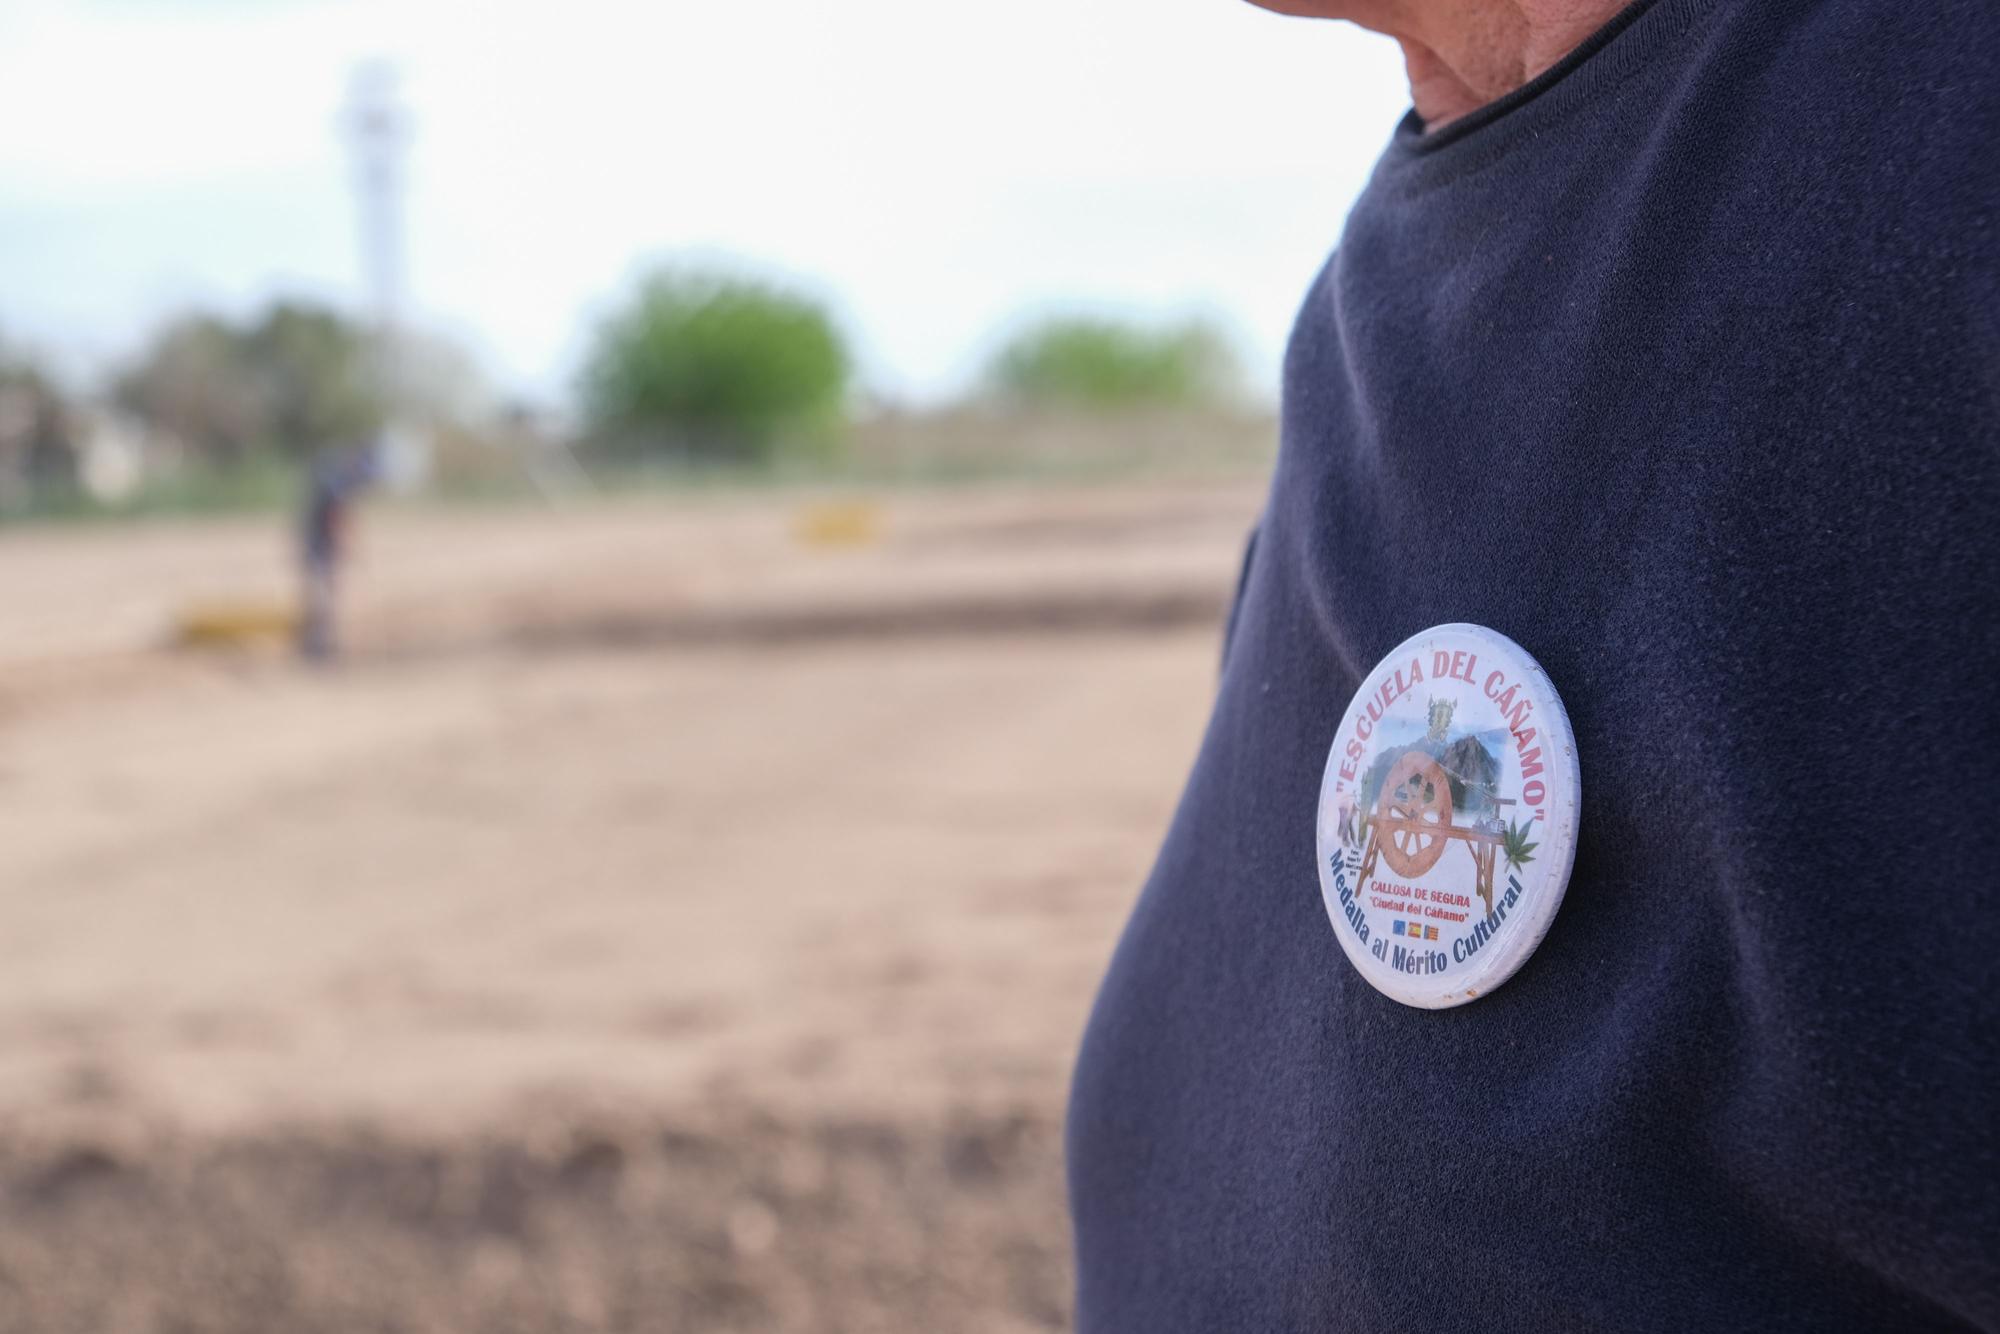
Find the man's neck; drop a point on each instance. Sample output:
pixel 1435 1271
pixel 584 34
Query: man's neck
pixel 1462 54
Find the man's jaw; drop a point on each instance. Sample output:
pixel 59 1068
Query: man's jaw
pixel 1462 54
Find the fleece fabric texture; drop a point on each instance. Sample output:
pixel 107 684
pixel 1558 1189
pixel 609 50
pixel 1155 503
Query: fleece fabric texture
pixel 1680 367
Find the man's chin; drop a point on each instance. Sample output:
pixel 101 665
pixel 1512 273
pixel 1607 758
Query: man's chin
pixel 1308 9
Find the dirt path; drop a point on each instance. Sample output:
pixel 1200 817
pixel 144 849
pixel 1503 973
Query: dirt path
pixel 659 923
pixel 642 803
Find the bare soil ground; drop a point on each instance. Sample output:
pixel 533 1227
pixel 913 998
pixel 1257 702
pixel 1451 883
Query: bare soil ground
pixel 658 922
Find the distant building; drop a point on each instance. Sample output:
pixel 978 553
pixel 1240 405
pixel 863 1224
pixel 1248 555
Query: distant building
pixel 117 453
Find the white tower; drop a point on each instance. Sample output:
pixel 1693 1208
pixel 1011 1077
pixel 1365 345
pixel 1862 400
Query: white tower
pixel 378 127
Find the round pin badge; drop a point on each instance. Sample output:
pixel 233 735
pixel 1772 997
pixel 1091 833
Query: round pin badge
pixel 1447 816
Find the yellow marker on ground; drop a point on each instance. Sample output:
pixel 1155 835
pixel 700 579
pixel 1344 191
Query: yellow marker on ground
pixel 841 523
pixel 236 624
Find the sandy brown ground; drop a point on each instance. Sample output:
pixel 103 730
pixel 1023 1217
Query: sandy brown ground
pixel 659 922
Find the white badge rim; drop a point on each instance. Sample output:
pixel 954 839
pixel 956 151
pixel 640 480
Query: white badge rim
pixel 1523 932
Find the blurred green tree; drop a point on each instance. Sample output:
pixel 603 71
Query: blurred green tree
pixel 714 366
pixel 1103 364
pixel 318 386
pixel 36 429
pixel 293 380
pixel 191 384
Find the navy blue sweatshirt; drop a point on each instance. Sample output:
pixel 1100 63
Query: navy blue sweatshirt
pixel 1680 367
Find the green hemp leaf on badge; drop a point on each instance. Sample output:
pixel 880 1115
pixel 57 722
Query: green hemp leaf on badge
pixel 1516 845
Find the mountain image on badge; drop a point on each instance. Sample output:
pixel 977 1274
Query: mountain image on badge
pixel 1448 816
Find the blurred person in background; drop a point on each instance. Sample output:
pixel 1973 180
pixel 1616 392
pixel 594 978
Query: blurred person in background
pixel 335 480
pixel 1665 341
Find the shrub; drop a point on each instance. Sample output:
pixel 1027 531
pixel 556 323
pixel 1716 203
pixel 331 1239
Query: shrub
pixel 1104 364
pixel 713 366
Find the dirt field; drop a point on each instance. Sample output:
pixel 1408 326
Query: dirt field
pixel 661 921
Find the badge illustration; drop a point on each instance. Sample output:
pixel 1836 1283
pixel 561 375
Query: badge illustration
pixel 1447 816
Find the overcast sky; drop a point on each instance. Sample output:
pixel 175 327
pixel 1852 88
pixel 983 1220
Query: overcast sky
pixel 935 168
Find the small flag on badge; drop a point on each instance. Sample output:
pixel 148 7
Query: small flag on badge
pixel 1430 933
pixel 1397 929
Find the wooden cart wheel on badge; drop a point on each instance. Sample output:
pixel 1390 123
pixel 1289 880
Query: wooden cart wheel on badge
pixel 1414 814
